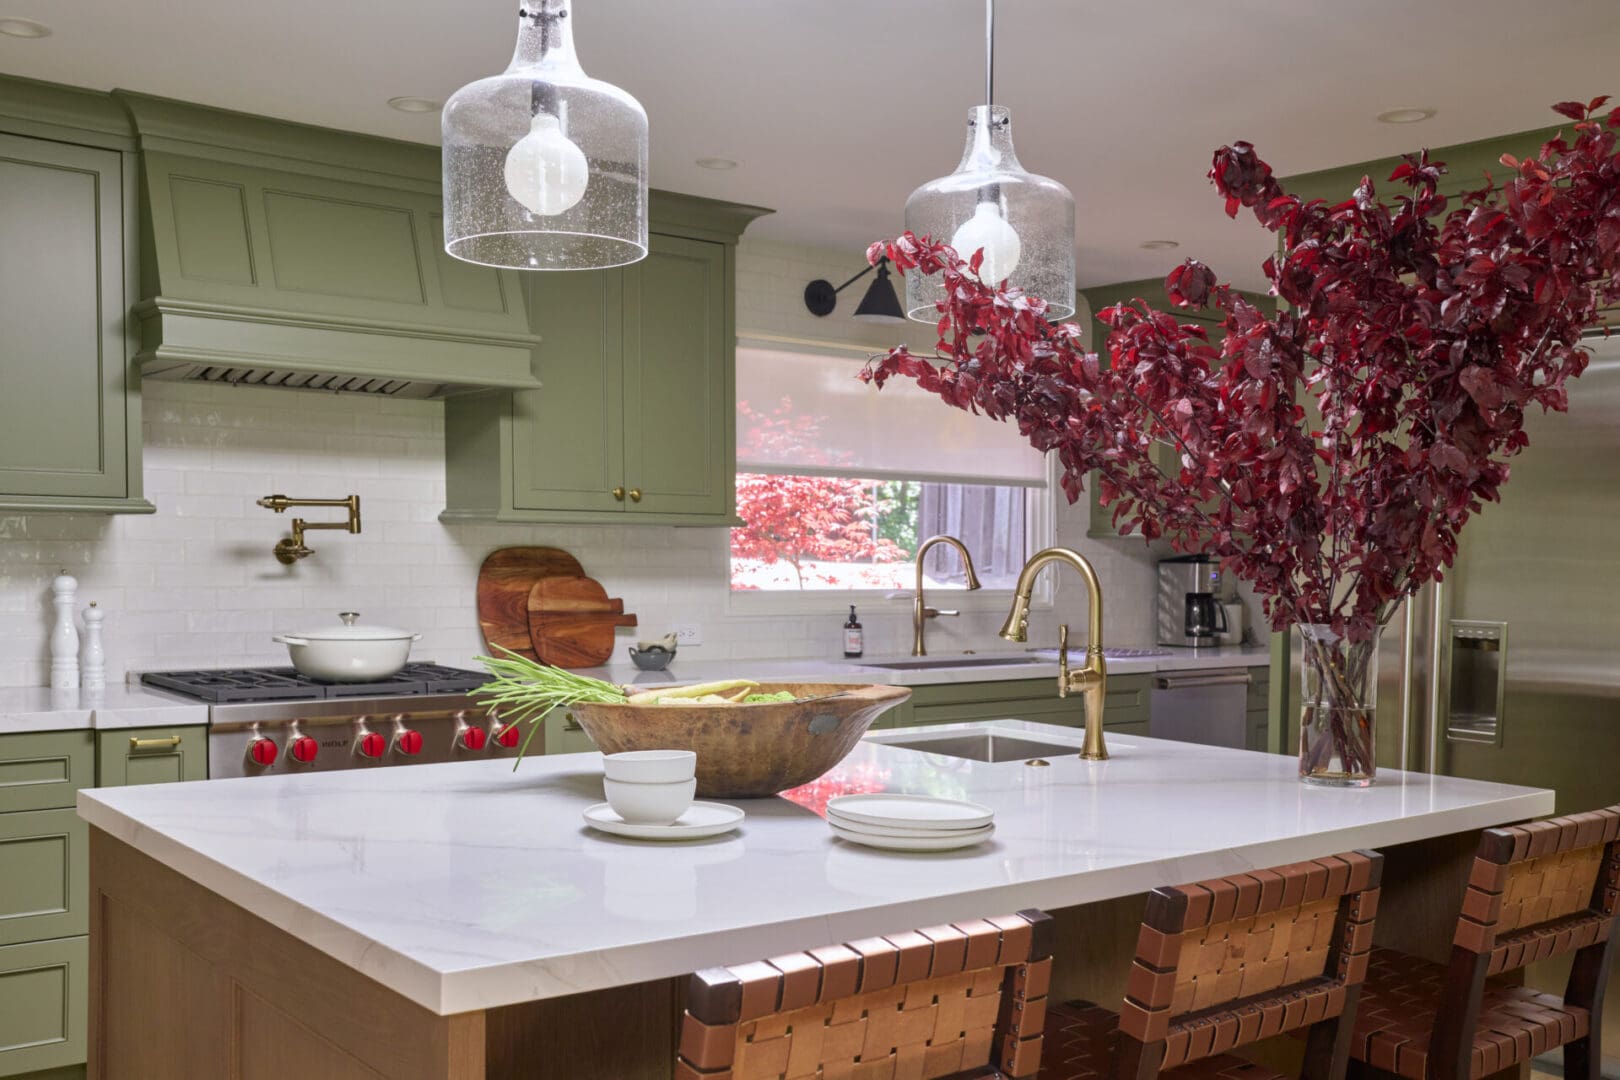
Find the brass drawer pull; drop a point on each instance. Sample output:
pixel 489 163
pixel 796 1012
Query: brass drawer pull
pixel 635 494
pixel 618 493
pixel 138 745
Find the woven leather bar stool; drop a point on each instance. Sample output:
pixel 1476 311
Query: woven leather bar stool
pixel 1536 891
pixel 948 1001
pixel 1228 962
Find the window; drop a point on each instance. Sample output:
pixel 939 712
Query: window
pixel 838 482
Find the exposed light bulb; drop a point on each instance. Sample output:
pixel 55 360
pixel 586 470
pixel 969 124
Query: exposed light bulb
pixel 545 171
pixel 988 230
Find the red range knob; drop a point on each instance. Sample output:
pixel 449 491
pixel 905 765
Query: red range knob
pixel 409 742
pixel 508 735
pixel 303 749
pixel 262 751
pixel 474 738
pixel 372 745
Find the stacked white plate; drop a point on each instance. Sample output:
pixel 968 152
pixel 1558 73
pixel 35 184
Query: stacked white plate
pixel 909 822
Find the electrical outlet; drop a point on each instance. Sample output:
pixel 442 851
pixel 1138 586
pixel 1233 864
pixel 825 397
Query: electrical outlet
pixel 688 634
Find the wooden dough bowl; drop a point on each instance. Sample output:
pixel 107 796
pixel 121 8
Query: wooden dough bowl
pixel 749 751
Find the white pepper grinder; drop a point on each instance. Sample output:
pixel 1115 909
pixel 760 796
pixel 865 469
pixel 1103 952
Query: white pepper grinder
pixel 64 635
pixel 94 675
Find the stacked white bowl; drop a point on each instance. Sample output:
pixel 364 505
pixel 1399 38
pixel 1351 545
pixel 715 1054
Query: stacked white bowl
pixel 650 787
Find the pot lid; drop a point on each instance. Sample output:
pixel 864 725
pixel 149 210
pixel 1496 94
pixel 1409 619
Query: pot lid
pixel 349 631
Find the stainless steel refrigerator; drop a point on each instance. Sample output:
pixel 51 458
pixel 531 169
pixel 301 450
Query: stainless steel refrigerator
pixel 1509 669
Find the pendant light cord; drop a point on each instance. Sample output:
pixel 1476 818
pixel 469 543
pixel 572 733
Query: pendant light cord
pixel 989 52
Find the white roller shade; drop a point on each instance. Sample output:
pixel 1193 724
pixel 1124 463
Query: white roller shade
pixel 840 426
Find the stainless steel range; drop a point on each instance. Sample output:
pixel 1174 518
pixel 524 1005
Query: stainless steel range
pixel 274 721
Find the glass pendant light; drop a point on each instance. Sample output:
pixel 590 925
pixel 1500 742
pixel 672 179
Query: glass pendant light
pixel 545 168
pixel 1023 223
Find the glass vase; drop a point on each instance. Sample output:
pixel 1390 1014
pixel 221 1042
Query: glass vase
pixel 1339 697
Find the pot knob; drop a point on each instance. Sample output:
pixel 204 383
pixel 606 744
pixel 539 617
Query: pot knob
pixel 508 735
pixel 409 742
pixel 372 745
pixel 474 738
pixel 303 749
pixel 262 751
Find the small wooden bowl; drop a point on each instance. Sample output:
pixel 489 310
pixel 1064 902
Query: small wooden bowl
pixel 749 751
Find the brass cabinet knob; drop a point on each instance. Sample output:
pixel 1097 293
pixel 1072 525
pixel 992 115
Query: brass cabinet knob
pixel 635 494
pixel 618 493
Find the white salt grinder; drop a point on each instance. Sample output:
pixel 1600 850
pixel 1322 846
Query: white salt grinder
pixel 94 674
pixel 64 635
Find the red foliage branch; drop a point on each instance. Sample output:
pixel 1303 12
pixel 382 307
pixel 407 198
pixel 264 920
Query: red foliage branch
pixel 1330 453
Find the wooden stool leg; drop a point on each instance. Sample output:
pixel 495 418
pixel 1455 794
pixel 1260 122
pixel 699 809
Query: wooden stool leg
pixel 1588 978
pixel 1327 1043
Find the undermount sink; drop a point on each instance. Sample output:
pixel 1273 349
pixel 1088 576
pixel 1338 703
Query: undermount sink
pixel 924 663
pixel 984 746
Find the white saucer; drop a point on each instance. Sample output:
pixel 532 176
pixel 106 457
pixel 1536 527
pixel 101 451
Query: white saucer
pixel 910 811
pixel 916 843
pixel 701 819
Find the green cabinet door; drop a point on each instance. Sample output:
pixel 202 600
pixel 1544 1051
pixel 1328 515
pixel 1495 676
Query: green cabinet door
pixel 151 756
pixel 45 769
pixel 568 437
pixel 679 375
pixel 44 1004
pixel 564 735
pixel 44 875
pixel 65 423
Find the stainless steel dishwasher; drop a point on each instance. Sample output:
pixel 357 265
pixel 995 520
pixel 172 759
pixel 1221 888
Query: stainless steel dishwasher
pixel 1201 706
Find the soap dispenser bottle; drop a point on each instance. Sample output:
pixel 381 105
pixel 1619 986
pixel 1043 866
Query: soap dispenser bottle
pixel 854 639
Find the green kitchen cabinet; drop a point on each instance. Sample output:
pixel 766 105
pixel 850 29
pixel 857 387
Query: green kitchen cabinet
pixel 1259 709
pixel 44 1005
pixel 44 875
pixel 44 770
pixel 1125 705
pixel 151 755
pixel 70 428
pixel 635 418
pixel 564 735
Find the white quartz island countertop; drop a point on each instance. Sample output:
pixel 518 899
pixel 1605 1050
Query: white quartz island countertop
pixel 468 886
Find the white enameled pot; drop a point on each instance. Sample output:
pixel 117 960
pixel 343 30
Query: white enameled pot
pixel 349 653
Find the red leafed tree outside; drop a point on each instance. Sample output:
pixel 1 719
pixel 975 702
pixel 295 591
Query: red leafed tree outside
pixel 801 519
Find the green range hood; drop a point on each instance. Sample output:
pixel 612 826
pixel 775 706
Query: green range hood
pixel 279 254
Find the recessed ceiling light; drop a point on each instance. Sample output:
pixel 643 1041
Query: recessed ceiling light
pixel 13 26
pixel 1160 245
pixel 1406 116
pixel 414 104
pixel 718 164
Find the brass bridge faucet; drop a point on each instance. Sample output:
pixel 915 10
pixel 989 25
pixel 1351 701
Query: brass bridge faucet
pixel 290 549
pixel 1092 679
pixel 920 611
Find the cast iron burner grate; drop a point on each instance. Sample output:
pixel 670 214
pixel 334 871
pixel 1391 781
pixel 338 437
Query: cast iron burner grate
pixel 226 686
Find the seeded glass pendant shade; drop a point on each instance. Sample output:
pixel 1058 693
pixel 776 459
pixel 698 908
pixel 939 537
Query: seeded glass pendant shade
pixel 1024 223
pixel 545 168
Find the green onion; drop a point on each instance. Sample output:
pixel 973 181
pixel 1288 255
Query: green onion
pixel 524 690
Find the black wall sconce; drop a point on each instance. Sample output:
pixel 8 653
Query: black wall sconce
pixel 880 304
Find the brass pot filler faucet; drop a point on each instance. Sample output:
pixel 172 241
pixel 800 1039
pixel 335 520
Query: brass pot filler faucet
pixel 1092 679
pixel 290 549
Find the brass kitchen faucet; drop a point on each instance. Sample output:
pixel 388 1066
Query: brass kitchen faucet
pixel 920 612
pixel 290 549
pixel 1090 681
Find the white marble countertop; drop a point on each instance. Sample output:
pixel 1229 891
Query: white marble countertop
pixel 972 668
pixel 468 885
pixel 119 705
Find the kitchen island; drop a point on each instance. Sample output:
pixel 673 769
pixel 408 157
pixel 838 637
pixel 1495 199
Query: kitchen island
pixel 458 921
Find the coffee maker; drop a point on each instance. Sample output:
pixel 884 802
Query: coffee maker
pixel 1191 588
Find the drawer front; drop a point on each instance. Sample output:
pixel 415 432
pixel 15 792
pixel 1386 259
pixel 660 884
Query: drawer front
pixel 984 692
pixel 44 1004
pixel 563 734
pixel 44 770
pixel 1125 700
pixel 1259 688
pixel 151 755
pixel 44 875
pixel 1053 710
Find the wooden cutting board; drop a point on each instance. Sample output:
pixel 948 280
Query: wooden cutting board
pixel 504 583
pixel 572 621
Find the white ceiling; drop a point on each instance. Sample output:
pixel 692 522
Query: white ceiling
pixel 836 109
